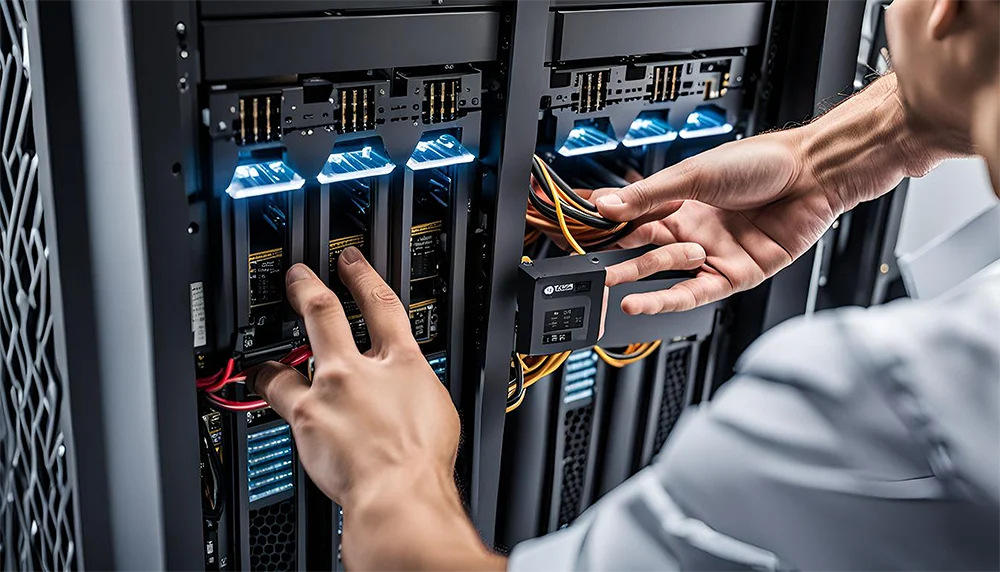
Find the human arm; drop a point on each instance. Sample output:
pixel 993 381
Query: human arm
pixel 757 204
pixel 377 432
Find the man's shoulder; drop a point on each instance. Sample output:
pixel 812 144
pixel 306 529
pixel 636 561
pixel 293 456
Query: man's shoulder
pixel 934 335
pixel 935 363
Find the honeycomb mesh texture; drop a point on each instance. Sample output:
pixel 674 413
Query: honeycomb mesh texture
pixel 272 537
pixel 577 428
pixel 36 496
pixel 675 381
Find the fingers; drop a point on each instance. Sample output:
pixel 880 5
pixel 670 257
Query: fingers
pixel 388 323
pixel 651 198
pixel 678 256
pixel 326 324
pixel 703 289
pixel 281 386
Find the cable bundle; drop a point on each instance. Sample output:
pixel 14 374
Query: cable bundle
pixel 215 383
pixel 555 208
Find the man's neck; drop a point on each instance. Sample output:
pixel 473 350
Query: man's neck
pixel 985 128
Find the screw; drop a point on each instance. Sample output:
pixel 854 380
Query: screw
pixel 232 109
pixel 381 91
pixel 184 54
pixel 884 269
pixel 415 124
pixel 180 27
pixel 439 2
pixel 310 132
pixel 475 101
pixel 416 91
pixel 293 108
pixel 222 126
pixel 836 224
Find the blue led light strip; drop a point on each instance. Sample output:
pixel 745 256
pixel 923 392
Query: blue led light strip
pixel 263 178
pixel 649 131
pixel 441 151
pixel 587 139
pixel 705 123
pixel 359 164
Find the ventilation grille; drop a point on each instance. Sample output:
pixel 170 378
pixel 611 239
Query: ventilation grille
pixel 272 537
pixel 36 496
pixel 577 426
pixel 675 381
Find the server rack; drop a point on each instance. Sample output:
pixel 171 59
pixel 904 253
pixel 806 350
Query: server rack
pixel 136 147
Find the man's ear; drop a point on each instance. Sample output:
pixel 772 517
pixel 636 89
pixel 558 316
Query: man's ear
pixel 942 19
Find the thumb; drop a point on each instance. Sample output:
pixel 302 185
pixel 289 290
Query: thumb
pixel 652 198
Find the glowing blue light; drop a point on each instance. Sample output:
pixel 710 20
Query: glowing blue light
pixel 442 151
pixel 705 123
pixel 359 164
pixel 587 139
pixel 263 178
pixel 649 131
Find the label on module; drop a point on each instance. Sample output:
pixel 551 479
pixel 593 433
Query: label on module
pixel 423 320
pixel 359 329
pixel 266 277
pixel 198 329
pixel 424 250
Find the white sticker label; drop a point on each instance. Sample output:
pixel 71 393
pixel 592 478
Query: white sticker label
pixel 198 314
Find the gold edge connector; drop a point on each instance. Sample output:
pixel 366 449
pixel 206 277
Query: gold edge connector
pixel 343 110
pixel 354 108
pixel 431 108
pixel 243 122
pixel 256 137
pixel 267 115
pixel 454 95
pixel 364 108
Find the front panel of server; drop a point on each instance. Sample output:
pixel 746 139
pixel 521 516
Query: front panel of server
pixel 616 108
pixel 297 168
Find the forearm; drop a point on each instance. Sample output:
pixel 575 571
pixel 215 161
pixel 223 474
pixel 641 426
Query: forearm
pixel 413 521
pixel 865 146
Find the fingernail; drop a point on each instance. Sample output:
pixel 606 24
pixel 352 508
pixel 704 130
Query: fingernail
pixel 610 201
pixel 296 273
pixel 695 252
pixel 351 255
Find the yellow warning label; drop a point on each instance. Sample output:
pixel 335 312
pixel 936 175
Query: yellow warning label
pixel 426 228
pixel 265 255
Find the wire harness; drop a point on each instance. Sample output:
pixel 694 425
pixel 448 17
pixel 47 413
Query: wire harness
pixel 556 209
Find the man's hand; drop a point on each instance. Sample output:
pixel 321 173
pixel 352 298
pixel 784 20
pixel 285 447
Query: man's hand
pixel 757 204
pixel 749 204
pixel 377 432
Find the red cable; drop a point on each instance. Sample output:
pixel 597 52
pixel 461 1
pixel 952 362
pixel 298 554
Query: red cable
pixel 224 377
pixel 236 405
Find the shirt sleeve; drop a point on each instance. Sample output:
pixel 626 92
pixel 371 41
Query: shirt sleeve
pixel 801 462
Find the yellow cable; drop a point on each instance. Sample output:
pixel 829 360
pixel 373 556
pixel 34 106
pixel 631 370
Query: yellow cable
pixel 559 212
pixel 517 403
pixel 643 353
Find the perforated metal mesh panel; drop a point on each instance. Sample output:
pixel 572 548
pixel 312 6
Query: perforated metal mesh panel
pixel 577 426
pixel 36 496
pixel 675 382
pixel 272 537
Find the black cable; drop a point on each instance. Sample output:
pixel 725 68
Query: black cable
pixel 214 505
pixel 620 356
pixel 574 197
pixel 611 240
pixel 518 380
pixel 569 211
